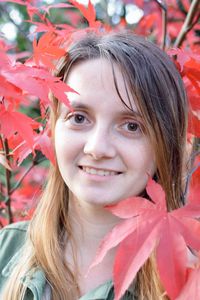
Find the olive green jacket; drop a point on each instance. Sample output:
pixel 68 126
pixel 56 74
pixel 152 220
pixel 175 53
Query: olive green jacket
pixel 12 238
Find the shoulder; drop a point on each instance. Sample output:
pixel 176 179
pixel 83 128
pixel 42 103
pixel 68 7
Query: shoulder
pixel 15 232
pixel 12 238
pixel 21 226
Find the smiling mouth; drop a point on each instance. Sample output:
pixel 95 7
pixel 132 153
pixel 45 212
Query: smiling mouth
pixel 99 172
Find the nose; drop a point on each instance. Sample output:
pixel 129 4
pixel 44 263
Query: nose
pixel 99 144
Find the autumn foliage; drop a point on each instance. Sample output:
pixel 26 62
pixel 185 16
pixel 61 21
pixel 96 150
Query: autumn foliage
pixel 25 140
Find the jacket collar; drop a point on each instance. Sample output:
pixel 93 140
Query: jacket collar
pixel 34 279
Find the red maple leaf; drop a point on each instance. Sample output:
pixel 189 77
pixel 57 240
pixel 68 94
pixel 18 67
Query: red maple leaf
pixel 89 13
pixel 193 124
pixel 12 121
pixel 44 144
pixel 181 56
pixel 37 81
pixel 196 172
pixel 19 149
pixel 149 226
pixel 193 96
pixel 11 93
pixel 46 50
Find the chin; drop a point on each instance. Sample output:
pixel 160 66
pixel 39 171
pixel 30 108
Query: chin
pixel 99 202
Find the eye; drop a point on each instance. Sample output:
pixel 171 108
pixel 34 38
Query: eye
pixel 132 127
pixel 77 119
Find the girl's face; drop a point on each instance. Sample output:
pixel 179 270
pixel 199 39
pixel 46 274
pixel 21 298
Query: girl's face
pixel 102 151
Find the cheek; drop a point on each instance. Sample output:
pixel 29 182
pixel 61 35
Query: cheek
pixel 62 145
pixel 140 157
pixel 67 146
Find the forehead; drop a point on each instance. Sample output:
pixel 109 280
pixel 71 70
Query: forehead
pixel 99 80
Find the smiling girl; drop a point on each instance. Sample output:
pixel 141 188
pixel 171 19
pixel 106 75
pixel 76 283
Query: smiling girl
pixel 127 119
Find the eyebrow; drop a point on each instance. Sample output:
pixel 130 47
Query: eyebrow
pixel 79 105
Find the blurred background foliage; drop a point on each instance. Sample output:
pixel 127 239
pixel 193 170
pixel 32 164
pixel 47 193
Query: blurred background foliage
pixel 15 27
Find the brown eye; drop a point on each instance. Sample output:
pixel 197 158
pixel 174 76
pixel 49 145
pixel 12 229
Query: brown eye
pixel 79 119
pixel 131 126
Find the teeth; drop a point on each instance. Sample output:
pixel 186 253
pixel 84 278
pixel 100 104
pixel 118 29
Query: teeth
pixel 99 172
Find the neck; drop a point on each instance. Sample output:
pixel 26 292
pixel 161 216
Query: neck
pixel 90 223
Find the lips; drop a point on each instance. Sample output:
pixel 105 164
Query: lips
pixel 98 171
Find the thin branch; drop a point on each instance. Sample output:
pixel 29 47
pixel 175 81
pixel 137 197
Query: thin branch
pixel 188 180
pixel 8 184
pixel 33 164
pixel 175 20
pixel 1 224
pixel 22 177
pixel 188 23
pixel 181 7
pixel 191 162
pixel 163 6
pixel 164 28
pixel 1 140
pixel 196 21
pixel 2 145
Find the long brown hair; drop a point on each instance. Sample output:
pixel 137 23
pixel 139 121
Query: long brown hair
pixel 158 90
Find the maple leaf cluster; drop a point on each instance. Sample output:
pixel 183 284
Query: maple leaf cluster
pixel 146 226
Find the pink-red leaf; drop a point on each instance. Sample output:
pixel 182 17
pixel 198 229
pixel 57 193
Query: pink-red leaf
pixel 130 207
pixel 89 12
pixel 113 238
pixel 44 144
pixel 47 50
pixel 153 228
pixel 191 290
pixel 13 121
pixel 171 255
pixel 156 193
pixel 132 253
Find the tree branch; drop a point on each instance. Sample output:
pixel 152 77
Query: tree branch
pixel 188 23
pixel 164 28
pixel 33 164
pixel 191 162
pixel 1 140
pixel 163 7
pixel 8 179
pixel 1 224
pixel 20 180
